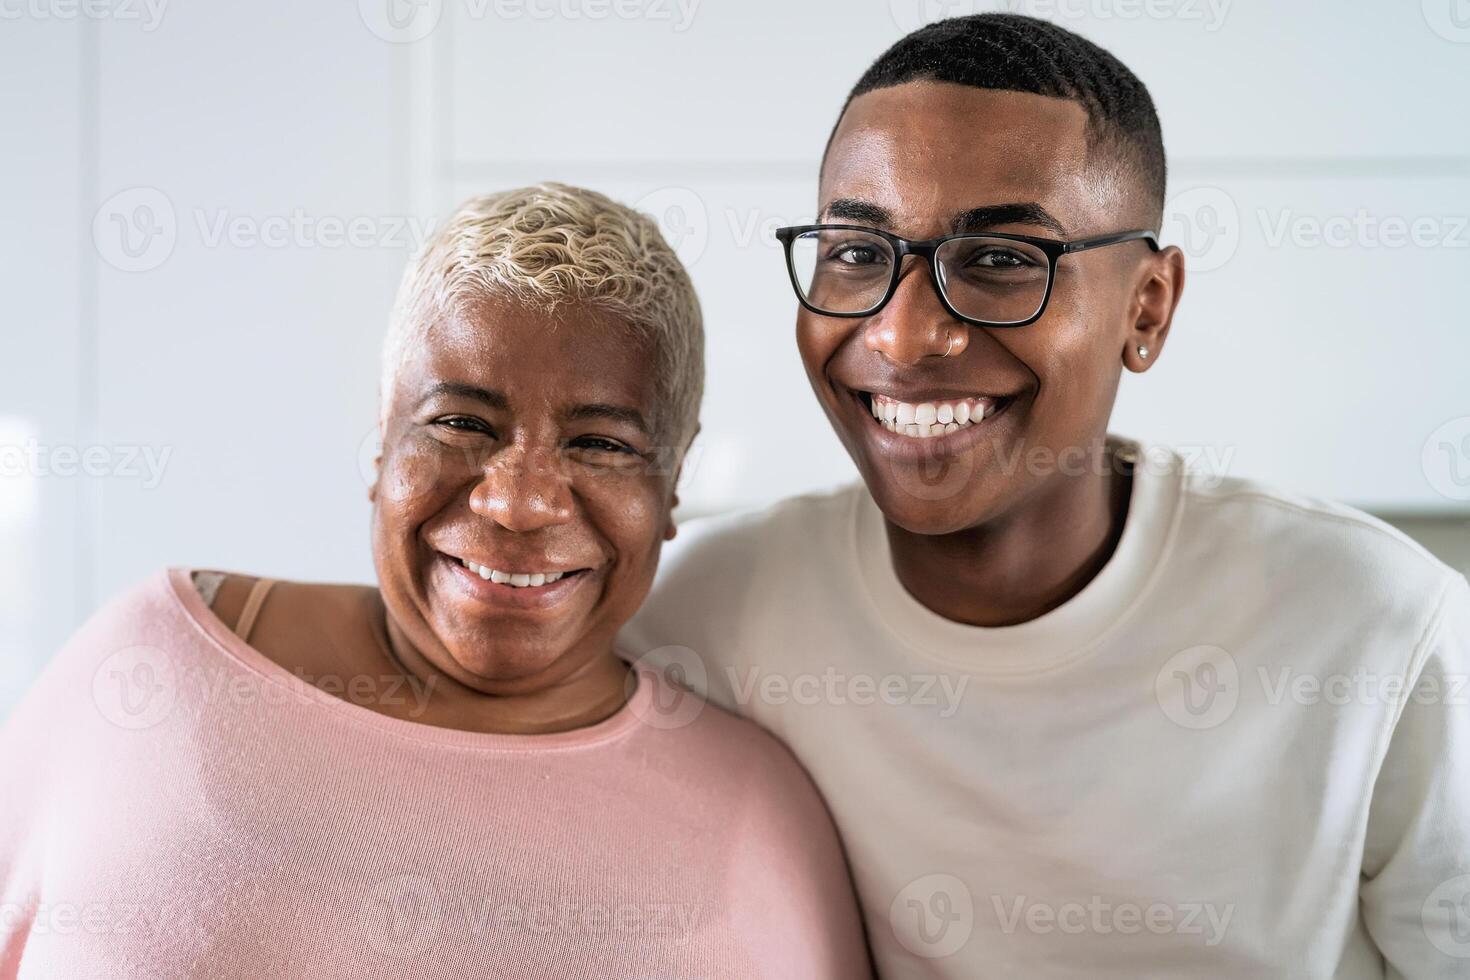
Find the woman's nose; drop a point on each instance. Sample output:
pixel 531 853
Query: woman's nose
pixel 524 490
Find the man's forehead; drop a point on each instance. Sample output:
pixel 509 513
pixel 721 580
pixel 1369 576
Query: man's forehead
pixel 926 150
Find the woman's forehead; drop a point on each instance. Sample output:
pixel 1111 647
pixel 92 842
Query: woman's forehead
pixel 574 353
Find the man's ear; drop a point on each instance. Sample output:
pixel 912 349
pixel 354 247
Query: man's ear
pixel 1152 311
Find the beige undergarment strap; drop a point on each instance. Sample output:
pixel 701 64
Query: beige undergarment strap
pixel 253 602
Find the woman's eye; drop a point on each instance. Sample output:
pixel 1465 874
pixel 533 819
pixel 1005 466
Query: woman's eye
pixel 463 423
pixel 603 445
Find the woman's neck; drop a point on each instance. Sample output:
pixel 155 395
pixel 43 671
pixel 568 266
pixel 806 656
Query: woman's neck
pixel 592 692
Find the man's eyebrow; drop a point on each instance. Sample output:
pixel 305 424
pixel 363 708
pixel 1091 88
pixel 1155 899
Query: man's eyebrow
pixel 993 215
pixel 616 413
pixel 493 399
pixel 860 212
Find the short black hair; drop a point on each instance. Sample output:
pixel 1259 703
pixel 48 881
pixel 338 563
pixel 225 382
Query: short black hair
pixel 1014 53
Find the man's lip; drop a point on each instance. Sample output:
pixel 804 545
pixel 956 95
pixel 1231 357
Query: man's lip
pixel 918 396
pixel 914 450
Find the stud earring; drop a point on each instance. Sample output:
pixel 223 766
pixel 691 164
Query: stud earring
pixel 1143 352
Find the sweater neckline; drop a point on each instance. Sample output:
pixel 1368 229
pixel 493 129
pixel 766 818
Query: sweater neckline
pixel 286 686
pixel 1059 637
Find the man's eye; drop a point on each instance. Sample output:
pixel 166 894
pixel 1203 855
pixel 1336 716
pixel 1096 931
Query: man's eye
pixel 999 258
pixel 857 254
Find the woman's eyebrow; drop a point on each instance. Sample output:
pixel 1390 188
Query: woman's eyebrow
pixel 616 413
pixel 492 399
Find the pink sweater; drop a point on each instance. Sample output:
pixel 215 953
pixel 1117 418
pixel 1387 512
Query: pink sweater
pixel 174 804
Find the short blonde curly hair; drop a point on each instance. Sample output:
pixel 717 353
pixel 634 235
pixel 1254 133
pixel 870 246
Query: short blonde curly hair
pixel 552 244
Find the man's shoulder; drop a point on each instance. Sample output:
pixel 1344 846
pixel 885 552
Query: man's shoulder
pixel 789 528
pixel 1311 546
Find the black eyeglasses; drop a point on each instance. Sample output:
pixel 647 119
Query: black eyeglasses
pixel 988 279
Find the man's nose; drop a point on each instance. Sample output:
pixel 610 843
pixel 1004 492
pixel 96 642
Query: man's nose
pixel 524 490
pixel 914 324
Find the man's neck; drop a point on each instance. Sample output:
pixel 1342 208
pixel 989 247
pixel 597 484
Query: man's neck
pixel 1018 567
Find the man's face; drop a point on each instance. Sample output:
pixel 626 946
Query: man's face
pixel 918 160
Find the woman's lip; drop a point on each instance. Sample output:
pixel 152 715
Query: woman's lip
pixel 506 596
pixel 915 449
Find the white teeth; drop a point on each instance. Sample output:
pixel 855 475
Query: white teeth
pixel 517 580
pixel 928 419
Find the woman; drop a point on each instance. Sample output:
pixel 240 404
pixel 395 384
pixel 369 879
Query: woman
pixel 452 773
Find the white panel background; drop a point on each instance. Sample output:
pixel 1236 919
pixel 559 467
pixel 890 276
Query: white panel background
pixel 252 365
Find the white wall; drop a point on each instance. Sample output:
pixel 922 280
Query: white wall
pixel 243 364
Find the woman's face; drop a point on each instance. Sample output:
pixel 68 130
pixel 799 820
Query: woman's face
pixel 520 443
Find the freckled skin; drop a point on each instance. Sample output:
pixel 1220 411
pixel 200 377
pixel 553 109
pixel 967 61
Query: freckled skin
pixel 526 487
pixel 989 536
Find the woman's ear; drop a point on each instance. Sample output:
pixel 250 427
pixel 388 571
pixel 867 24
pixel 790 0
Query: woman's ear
pixel 1154 302
pixel 673 528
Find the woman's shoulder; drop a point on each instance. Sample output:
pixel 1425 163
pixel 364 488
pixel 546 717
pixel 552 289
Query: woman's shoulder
pixel 737 754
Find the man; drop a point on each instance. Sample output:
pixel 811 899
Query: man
pixel 1077 712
